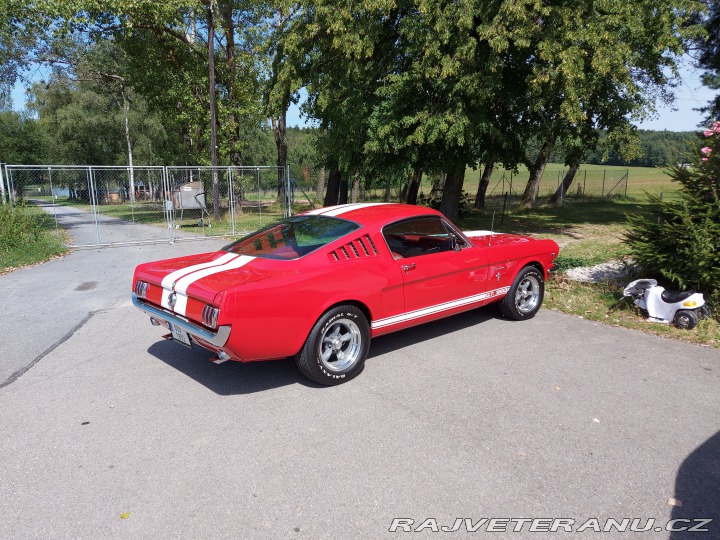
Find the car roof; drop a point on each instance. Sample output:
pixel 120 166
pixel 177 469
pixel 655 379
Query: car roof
pixel 374 214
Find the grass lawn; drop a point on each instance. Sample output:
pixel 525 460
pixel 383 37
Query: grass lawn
pixel 28 236
pixel 592 180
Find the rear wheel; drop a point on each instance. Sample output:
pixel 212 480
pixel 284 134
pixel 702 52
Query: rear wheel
pixel 337 346
pixel 525 296
pixel 686 319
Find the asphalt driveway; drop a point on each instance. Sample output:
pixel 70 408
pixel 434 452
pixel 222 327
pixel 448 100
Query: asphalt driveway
pixel 110 432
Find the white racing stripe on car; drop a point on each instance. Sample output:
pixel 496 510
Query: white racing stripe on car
pixel 341 209
pixel 168 280
pixel 480 233
pixel 349 208
pixel 324 210
pixel 431 310
pixel 181 286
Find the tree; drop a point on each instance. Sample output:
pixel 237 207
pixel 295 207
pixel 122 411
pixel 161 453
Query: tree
pixel 591 66
pixel 681 242
pixel 175 42
pixel 438 86
pixel 283 81
pixel 387 79
pixel 20 139
pixel 18 36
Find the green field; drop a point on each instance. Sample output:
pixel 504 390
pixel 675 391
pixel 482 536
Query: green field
pixel 591 181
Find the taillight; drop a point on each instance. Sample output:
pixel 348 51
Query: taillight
pixel 210 316
pixel 141 289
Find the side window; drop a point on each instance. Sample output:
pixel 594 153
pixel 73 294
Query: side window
pixel 420 236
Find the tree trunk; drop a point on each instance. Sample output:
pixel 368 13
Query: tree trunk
pixel 128 141
pixel 280 132
pixel 529 197
pixel 355 187
pixel 484 183
pixel 437 187
pixel 321 184
pixel 343 195
pixel 333 188
pixel 566 183
pixel 213 114
pixel 386 197
pixel 413 186
pixel 232 123
pixel 452 192
pixel 361 191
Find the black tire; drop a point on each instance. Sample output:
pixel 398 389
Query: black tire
pixel 685 319
pixel 525 296
pixel 337 346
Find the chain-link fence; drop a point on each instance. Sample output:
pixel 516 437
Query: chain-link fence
pixel 587 183
pixel 121 205
pixel 309 186
pixel 129 205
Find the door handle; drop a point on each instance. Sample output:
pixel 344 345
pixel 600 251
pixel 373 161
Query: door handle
pixel 408 267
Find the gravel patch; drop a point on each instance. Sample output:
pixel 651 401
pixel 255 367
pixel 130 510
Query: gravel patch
pixel 600 273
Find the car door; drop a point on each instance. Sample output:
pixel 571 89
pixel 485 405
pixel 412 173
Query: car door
pixel 441 270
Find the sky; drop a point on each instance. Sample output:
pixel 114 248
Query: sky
pixel 681 116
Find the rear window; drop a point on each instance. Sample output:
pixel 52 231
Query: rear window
pixel 292 237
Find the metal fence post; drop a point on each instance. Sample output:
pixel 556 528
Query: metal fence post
pixel 288 188
pixel 52 199
pixel 231 198
pixel 94 200
pixel 2 183
pixel 627 180
pixel 168 205
pixel 10 186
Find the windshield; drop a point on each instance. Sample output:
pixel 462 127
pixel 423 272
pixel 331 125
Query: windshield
pixel 292 237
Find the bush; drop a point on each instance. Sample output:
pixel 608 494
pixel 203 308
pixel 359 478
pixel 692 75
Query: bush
pixel 680 244
pixel 25 237
pixel 18 226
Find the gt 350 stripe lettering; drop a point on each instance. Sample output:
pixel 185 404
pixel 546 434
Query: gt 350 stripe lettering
pixel 439 308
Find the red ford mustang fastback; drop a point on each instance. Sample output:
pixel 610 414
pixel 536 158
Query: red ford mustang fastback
pixel 318 286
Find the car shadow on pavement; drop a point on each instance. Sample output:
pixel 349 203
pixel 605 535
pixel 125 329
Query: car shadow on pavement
pixel 424 332
pixel 697 488
pixel 229 378
pixel 236 378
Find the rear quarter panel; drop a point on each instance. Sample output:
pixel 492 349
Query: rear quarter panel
pixel 272 318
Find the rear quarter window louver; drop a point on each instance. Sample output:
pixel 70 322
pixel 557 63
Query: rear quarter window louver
pixel 360 248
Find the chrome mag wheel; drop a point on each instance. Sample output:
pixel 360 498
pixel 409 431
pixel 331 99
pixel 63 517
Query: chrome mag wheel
pixel 341 345
pixel 527 294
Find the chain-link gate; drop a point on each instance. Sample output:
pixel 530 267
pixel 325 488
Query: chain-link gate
pixel 131 205
pixel 219 201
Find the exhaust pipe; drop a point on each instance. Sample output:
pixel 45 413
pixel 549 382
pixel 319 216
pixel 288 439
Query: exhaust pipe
pixel 221 357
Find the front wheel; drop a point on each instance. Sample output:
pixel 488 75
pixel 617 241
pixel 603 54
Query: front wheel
pixel 525 297
pixel 337 346
pixel 686 319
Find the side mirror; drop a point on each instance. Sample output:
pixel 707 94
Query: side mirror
pixel 454 244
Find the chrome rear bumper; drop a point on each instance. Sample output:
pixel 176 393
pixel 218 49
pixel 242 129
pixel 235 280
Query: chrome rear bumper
pixel 216 339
